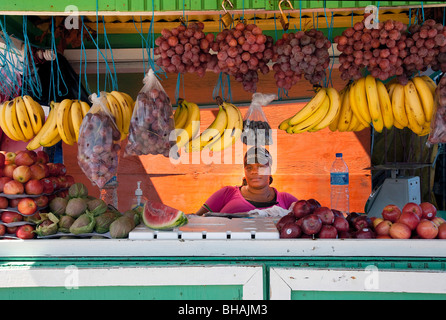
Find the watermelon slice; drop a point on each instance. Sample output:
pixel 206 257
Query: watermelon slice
pixel 161 217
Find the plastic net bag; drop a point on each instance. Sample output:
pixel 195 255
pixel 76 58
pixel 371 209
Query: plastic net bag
pixel 438 122
pixel 256 129
pixel 152 127
pixel 99 142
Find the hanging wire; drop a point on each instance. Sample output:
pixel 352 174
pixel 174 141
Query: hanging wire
pixel 114 77
pixel 30 77
pixel 84 54
pixel 58 72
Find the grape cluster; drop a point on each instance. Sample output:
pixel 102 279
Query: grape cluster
pixel 301 53
pixel 242 51
pixel 184 49
pixel 381 50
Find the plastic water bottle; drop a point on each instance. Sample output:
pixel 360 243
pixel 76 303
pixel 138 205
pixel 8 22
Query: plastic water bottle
pixel 339 182
pixel 109 193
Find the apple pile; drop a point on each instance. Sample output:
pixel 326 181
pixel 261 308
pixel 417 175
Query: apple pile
pixel 412 222
pixel 309 219
pixel 9 227
pixel 28 181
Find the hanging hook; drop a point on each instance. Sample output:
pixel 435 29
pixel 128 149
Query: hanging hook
pixel 226 18
pixel 283 18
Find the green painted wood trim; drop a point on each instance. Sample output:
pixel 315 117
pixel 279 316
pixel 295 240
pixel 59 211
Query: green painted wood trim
pixel 146 5
pixel 205 292
pixel 346 295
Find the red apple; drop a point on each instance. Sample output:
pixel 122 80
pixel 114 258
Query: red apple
pixel 391 212
pixel 376 221
pixel 341 224
pixel 364 233
pixel 52 168
pixel 2 230
pixel 27 206
pixel 42 157
pixel 325 214
pixel 61 169
pixel 344 235
pixel 41 201
pixel 10 157
pixel 413 207
pixel 13 187
pixel 290 230
pixel 410 219
pixel 314 204
pixel 24 158
pixel 383 228
pixel 399 230
pixel 338 213
pixel 70 180
pixel 25 232
pixel 21 174
pixel 48 186
pixel 362 222
pixel 2 160
pixel 383 237
pixel 14 202
pixel 301 209
pixel 3 180
pixel 438 221
pixel 428 210
pixel 311 224
pixel 285 219
pixel 442 231
pixel 426 229
pixel 37 171
pixel 55 182
pixel 11 230
pixel 10 217
pixel 8 170
pixel 328 232
pixel 3 203
pixel 34 187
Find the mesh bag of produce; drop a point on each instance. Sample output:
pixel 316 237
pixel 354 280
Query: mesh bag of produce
pixel 152 127
pixel 256 129
pixel 438 122
pixel 99 142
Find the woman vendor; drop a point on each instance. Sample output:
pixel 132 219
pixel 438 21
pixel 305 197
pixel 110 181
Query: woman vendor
pixel 255 191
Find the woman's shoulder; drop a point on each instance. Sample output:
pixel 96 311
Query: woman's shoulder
pixel 286 195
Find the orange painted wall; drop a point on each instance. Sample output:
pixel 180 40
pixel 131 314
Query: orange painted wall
pixel 303 160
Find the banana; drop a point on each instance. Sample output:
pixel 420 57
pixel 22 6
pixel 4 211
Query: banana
pixel 76 117
pixel 355 123
pixel 85 107
pixel 129 99
pixel 284 125
pixel 62 119
pixel 50 129
pixel 182 115
pixel 34 112
pixel 333 110
pixel 213 132
pixel 23 119
pixel 314 119
pixel 413 124
pixel 46 128
pixel 115 109
pixel 359 127
pixel 3 124
pixel 385 105
pixel 373 103
pixel 309 108
pixel 233 129
pixel 345 114
pixel 126 110
pixel 426 129
pixel 431 84
pixel 354 104
pixel 397 125
pixel 415 108
pixel 11 121
pixel 361 101
pixel 391 88
pixel 426 97
pixel 192 125
pixel 399 110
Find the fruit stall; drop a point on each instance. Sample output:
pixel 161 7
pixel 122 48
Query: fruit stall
pixel 119 119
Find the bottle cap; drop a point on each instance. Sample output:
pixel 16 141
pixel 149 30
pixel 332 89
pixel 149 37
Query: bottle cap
pixel 138 191
pixel 338 155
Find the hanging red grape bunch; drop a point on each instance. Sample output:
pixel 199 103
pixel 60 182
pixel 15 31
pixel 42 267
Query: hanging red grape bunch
pixel 184 49
pixel 301 53
pixel 242 51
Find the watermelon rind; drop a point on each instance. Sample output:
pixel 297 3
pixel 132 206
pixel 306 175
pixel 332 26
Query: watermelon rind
pixel 178 220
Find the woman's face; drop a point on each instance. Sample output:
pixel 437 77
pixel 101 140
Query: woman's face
pixel 257 175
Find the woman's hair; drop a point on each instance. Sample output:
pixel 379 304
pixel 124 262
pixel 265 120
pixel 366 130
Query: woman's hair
pixel 257 155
